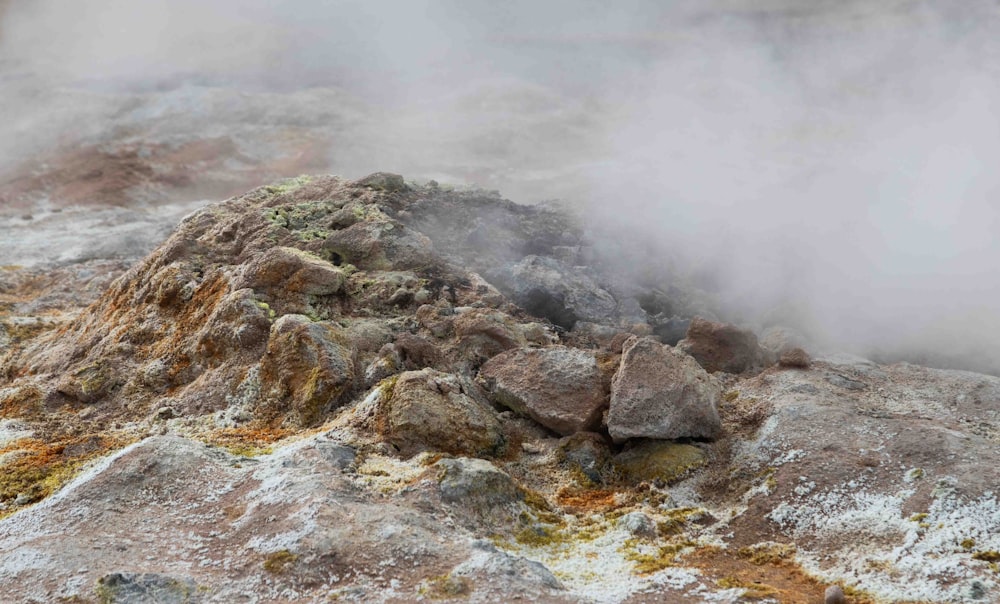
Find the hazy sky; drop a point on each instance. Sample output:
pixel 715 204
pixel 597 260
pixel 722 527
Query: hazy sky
pixel 839 158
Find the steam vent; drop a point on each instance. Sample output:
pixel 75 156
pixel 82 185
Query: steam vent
pixel 380 391
pixel 491 302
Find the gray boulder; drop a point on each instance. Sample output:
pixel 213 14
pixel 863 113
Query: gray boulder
pixel 561 388
pixel 661 392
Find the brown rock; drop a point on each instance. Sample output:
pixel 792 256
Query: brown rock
pixel 794 357
pixel 429 410
pixel 661 392
pixel 558 387
pixel 723 347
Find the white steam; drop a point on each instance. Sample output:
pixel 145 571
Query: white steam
pixel 832 165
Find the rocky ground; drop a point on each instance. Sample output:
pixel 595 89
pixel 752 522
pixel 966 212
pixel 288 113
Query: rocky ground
pixel 375 390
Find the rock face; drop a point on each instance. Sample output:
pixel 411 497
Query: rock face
pixel 559 387
pixel 723 347
pixel 661 392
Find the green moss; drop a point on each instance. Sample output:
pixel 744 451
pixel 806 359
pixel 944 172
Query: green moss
pixel 279 561
pixel 918 517
pixel 968 543
pixel 731 396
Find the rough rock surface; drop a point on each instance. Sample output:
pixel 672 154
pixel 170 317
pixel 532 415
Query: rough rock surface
pixel 268 406
pixel 661 392
pixel 724 347
pixel 559 387
pixel 429 410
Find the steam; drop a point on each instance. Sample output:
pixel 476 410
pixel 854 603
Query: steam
pixel 825 165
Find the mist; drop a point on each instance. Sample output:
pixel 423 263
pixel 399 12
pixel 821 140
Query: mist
pixel 829 166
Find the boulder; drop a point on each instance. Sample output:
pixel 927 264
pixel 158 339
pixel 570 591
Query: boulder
pixel 661 392
pixel 307 370
pixel 428 410
pixel 476 484
pixel 559 387
pixel 723 347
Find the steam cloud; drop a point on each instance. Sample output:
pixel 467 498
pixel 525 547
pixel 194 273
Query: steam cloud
pixel 829 165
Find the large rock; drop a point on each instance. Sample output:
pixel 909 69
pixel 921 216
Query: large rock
pixel 559 387
pixel 661 392
pixel 430 410
pixel 724 347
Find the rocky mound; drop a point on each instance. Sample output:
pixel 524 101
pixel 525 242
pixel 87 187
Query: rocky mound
pixel 379 391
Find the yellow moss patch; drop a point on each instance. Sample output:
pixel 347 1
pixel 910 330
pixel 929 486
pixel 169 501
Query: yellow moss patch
pixel 247 441
pixel 768 553
pixel 279 561
pixel 445 586
pixel 648 559
pixel 753 591
pixel 987 556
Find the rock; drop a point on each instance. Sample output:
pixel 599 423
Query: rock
pixel 661 392
pixel 280 271
pixel 308 369
pixel 795 358
pixel 659 461
pixel 147 588
pixel 834 595
pixel 428 410
pixel 513 574
pixel 476 484
pixel 547 288
pixel 559 387
pixel 586 456
pixel 383 181
pixel 638 524
pixel 723 347
pixel 379 243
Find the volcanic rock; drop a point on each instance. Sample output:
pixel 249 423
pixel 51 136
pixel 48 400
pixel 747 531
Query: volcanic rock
pixel 661 392
pixel 308 366
pixel 559 387
pixel 723 347
pixel 428 410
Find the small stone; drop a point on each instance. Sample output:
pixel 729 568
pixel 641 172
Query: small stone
pixel 638 524
pixel 834 595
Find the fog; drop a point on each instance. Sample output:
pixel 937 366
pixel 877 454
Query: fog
pixel 826 165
